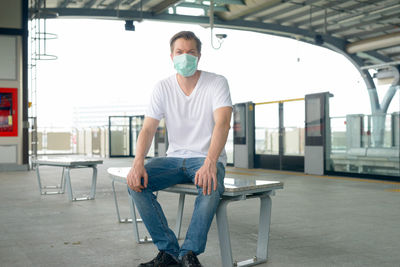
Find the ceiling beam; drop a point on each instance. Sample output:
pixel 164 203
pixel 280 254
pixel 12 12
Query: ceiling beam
pixel 252 7
pixel 114 4
pixel 204 7
pixel 288 9
pixel 375 43
pixel 89 4
pixel 230 2
pixel 363 23
pixel 140 2
pixel 380 66
pixel 397 54
pixel 307 12
pixel 332 12
pixel 361 16
pixel 64 3
pixel 374 11
pixel 131 2
pixel 164 5
pixel 369 33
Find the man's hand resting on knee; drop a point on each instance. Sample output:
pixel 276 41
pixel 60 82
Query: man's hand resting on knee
pixel 206 176
pixel 135 175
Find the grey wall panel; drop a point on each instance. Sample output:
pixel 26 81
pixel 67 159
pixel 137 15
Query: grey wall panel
pixel 8 154
pixel 8 57
pixel 11 14
pixel 314 160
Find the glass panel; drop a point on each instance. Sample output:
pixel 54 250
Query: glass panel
pixel 96 141
pixel 119 130
pixel 58 141
pixel 367 146
pixel 293 121
pixel 33 137
pixel 137 124
pixel 338 134
pixel 381 134
pixel 159 145
pixel 396 129
pixel 267 129
pixel 366 131
pixel 387 137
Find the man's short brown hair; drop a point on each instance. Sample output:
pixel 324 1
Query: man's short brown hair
pixel 187 35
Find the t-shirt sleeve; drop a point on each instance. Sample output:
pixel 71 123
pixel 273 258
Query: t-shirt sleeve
pixel 222 96
pixel 155 108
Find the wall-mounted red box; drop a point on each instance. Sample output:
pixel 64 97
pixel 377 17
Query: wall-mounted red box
pixel 8 112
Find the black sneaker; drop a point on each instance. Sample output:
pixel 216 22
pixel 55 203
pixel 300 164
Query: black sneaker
pixel 161 260
pixel 190 260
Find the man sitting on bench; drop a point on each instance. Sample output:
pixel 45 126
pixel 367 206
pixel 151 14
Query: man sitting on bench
pixel 197 109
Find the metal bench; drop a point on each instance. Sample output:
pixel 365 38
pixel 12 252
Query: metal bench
pixel 235 189
pixel 67 164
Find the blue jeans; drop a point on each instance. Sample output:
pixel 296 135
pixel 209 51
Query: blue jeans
pixel 165 172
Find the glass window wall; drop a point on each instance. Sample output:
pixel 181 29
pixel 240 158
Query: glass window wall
pixel 293 113
pixel 119 136
pixel 267 129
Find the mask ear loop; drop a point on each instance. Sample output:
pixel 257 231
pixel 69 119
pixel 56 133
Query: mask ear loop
pixel 220 41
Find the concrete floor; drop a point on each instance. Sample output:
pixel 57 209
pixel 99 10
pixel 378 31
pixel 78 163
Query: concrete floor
pixel 316 221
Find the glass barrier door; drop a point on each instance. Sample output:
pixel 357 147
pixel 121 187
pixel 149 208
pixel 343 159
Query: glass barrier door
pixel 119 137
pixel 136 124
pixel 160 140
pixel 279 134
pixel 123 135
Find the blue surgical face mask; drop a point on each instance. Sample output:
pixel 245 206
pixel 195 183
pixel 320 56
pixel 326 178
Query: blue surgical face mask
pixel 185 64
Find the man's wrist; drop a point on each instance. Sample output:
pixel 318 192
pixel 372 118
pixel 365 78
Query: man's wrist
pixel 211 161
pixel 138 160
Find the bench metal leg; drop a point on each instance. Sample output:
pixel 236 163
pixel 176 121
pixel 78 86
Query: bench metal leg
pixel 263 228
pixel 263 234
pixel 135 221
pixel 60 186
pixel 69 186
pixel 126 220
pixel 94 182
pixel 38 178
pixel 223 234
pixel 179 215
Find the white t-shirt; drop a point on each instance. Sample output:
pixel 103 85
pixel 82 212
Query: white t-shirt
pixel 189 119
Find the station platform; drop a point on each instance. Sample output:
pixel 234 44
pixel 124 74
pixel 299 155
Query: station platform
pixel 316 221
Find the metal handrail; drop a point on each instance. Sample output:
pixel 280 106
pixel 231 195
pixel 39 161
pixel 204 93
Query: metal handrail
pixel 279 101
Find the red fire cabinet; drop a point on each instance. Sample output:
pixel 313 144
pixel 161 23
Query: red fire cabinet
pixel 8 112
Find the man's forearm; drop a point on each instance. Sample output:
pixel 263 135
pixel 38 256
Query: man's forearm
pixel 218 141
pixel 143 144
pixel 145 138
